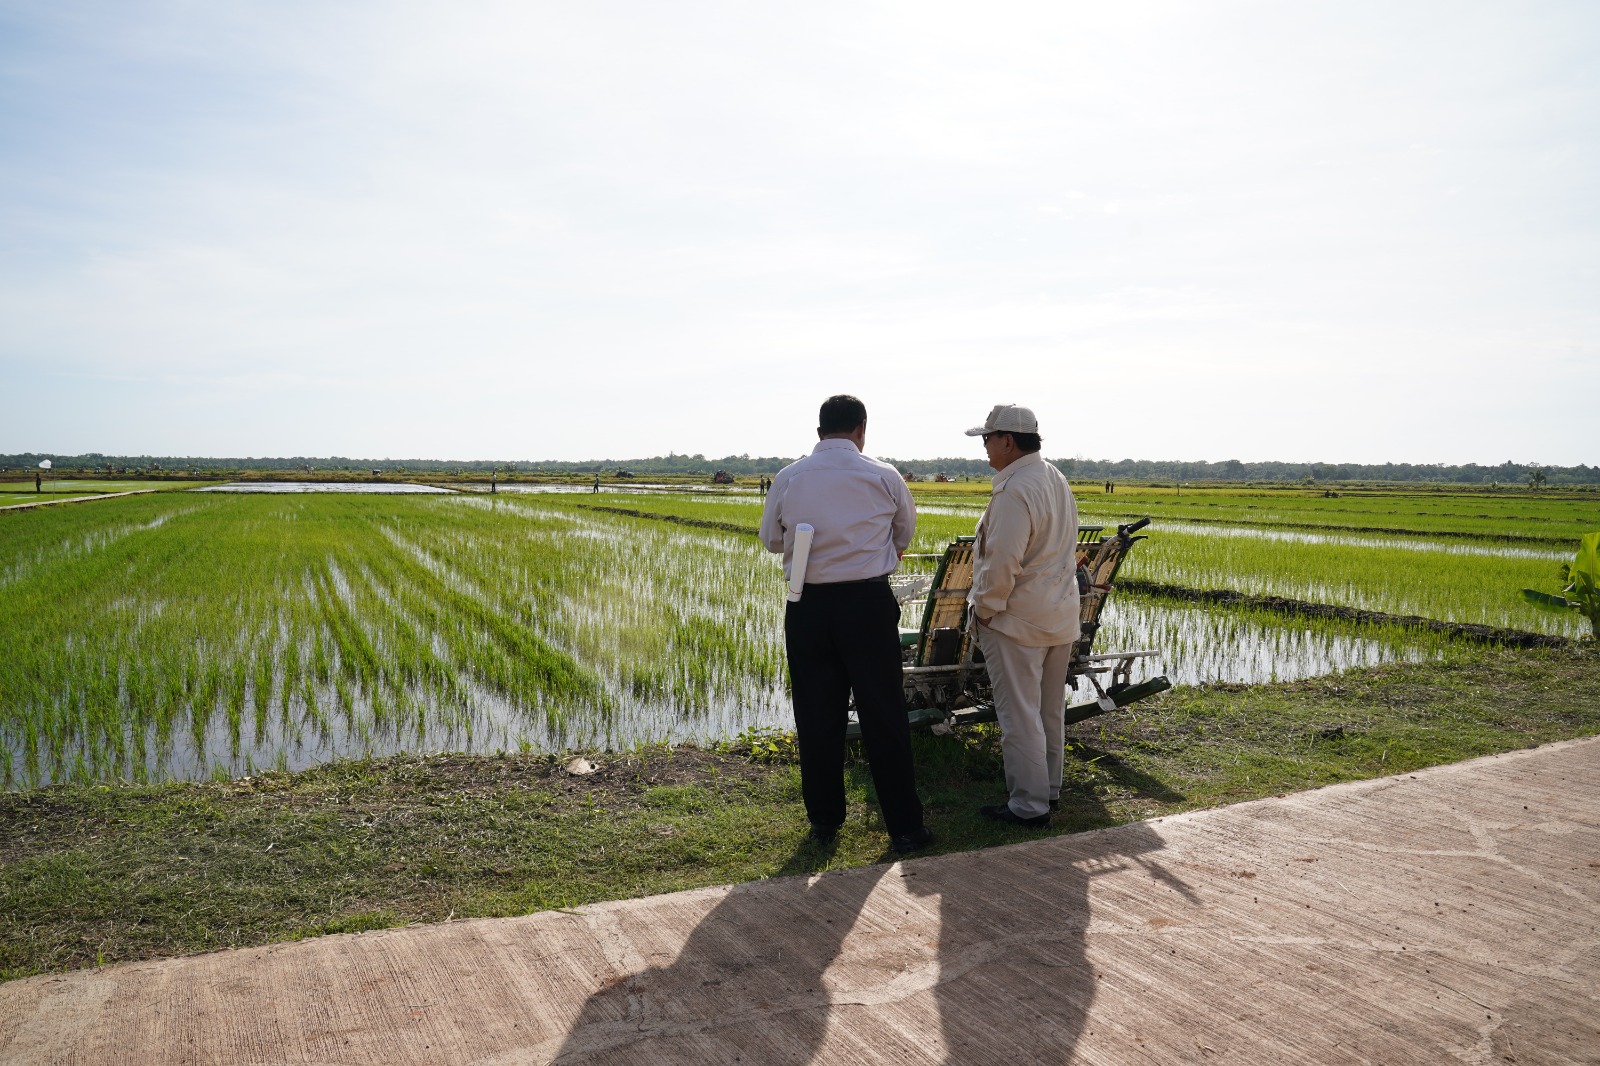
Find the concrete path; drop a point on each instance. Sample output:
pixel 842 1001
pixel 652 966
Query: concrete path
pixel 1447 916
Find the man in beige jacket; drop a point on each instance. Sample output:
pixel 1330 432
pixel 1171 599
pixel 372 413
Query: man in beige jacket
pixel 1024 603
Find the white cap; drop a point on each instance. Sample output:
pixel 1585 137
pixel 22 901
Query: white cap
pixel 1007 418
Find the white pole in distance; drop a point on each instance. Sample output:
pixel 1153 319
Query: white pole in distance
pixel 798 559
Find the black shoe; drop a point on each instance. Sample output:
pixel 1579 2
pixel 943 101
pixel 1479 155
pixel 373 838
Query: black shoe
pixel 823 834
pixel 1055 805
pixel 1002 812
pixel 915 840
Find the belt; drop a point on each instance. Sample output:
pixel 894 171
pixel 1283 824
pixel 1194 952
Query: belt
pixel 882 579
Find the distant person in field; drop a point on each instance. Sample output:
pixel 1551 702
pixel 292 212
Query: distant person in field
pixel 843 634
pixel 1024 601
pixel 38 483
pixel 597 483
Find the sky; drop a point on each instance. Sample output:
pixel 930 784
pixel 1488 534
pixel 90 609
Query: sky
pixel 1344 231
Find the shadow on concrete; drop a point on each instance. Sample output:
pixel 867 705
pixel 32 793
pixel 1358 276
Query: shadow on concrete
pixel 746 986
pixel 1015 983
pixel 1002 972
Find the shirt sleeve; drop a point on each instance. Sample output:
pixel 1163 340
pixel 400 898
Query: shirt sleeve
pixel 1002 540
pixel 905 517
pixel 771 526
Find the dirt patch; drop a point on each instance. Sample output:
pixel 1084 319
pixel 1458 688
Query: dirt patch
pixel 395 788
pixel 616 783
pixel 698 523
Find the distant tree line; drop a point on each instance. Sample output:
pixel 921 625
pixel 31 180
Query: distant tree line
pixel 1507 474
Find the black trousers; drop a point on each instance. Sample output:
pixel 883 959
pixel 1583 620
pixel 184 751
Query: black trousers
pixel 841 639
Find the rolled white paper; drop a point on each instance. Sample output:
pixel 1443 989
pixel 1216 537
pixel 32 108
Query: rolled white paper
pixel 797 560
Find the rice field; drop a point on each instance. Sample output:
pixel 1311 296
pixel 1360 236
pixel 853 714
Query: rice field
pixel 1451 579
pixel 198 635
pixel 190 635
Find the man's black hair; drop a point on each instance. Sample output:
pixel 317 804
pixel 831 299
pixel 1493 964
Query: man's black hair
pixel 1028 442
pixel 840 414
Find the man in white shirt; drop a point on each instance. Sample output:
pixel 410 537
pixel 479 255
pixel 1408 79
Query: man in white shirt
pixel 843 634
pixel 1024 601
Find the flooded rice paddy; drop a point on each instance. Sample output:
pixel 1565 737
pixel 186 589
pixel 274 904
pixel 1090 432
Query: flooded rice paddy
pixel 192 636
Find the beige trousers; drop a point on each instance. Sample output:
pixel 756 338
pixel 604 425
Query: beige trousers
pixel 1030 701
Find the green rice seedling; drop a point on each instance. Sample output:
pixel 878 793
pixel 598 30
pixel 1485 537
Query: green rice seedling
pixel 288 672
pixel 1444 580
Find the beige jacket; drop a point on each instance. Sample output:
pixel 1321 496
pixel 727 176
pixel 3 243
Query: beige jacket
pixel 1024 569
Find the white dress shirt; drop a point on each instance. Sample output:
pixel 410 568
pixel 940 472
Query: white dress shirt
pixel 859 507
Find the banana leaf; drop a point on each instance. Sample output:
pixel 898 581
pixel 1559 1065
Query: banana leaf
pixel 1582 585
pixel 1584 571
pixel 1547 600
pixel 1587 563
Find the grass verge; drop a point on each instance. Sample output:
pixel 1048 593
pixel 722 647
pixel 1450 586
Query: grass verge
pixel 93 875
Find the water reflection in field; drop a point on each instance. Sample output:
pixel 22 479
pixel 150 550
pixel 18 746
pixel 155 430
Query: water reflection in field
pixel 1200 644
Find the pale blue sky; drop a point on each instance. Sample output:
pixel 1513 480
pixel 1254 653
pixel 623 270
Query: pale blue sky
pixel 1355 231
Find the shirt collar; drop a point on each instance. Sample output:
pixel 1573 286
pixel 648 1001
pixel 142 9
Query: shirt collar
pixel 1002 476
pixel 833 444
